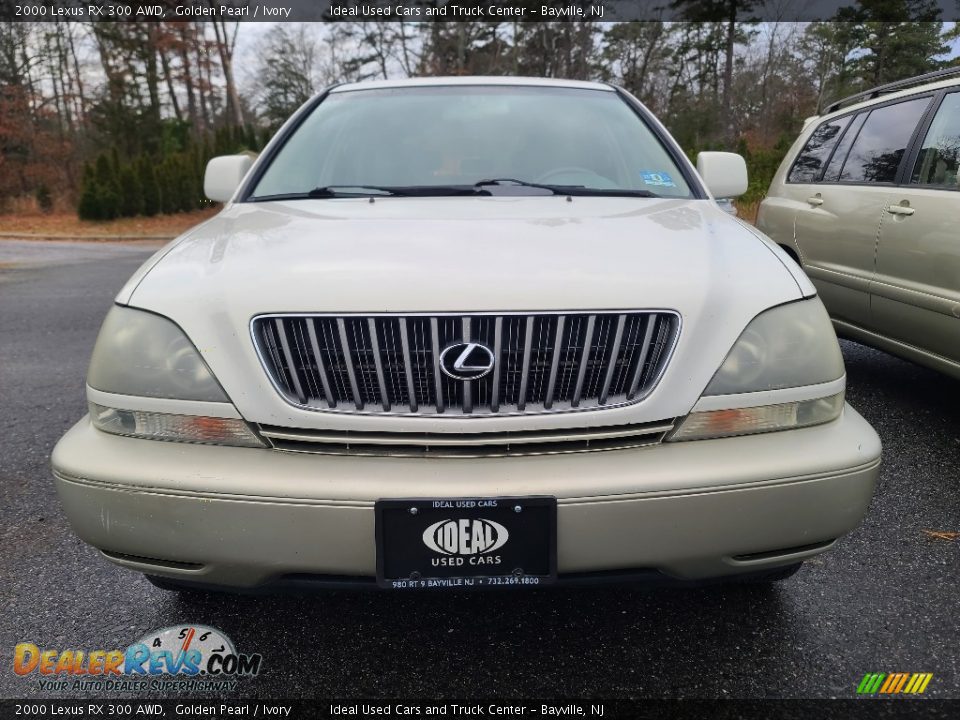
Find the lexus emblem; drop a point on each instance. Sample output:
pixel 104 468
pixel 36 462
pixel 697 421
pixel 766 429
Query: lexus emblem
pixel 466 361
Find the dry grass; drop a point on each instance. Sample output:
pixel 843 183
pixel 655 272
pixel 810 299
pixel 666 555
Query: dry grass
pixel 947 535
pixel 67 225
pixel 747 211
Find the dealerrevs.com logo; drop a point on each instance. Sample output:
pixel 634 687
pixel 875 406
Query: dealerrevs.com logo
pixel 180 657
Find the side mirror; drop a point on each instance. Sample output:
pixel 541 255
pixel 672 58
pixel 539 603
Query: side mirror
pixel 223 176
pixel 725 174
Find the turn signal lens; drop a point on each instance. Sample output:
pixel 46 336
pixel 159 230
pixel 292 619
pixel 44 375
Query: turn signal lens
pixel 760 419
pixel 176 428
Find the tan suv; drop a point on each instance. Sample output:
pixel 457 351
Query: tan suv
pixel 867 202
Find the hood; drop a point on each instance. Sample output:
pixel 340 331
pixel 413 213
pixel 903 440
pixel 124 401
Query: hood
pixel 471 254
pixel 452 254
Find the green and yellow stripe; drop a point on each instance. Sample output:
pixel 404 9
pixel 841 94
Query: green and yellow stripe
pixel 894 683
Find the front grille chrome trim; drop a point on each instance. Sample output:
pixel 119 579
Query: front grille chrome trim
pixel 492 444
pixel 389 363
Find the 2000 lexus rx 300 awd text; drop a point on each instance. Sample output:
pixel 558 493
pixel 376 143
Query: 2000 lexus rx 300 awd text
pixel 464 333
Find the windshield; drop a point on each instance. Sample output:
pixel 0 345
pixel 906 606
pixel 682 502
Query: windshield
pixel 369 141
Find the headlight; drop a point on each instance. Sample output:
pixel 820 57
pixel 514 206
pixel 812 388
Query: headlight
pixel 786 347
pixel 139 353
pixel 177 428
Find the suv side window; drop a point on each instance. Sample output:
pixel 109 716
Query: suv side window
pixel 809 163
pixel 832 173
pixel 882 142
pixel 939 157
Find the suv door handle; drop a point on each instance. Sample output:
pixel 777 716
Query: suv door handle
pixel 816 200
pixel 900 210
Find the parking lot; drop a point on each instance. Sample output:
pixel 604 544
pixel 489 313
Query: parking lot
pixel 885 600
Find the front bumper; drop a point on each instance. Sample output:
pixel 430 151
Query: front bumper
pixel 244 517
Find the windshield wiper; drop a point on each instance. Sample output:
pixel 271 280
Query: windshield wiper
pixel 567 189
pixel 337 191
pixel 330 191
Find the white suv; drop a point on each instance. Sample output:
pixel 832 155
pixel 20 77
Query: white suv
pixel 467 332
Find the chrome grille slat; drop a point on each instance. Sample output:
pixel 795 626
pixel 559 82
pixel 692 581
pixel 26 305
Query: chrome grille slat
pixel 318 358
pixel 497 349
pixel 378 364
pixel 584 358
pixel 288 356
pixel 467 386
pixel 348 361
pixel 641 361
pixel 408 365
pixel 614 355
pixel 437 377
pixel 525 372
pixel 544 362
pixel 554 363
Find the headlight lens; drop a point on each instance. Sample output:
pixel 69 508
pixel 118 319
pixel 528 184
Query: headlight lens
pixel 139 353
pixel 787 346
pixel 177 428
pixel 790 346
pixel 763 418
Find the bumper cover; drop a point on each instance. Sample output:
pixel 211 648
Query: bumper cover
pixel 244 517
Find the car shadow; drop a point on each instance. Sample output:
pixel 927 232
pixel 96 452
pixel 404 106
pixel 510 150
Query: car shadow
pixel 614 640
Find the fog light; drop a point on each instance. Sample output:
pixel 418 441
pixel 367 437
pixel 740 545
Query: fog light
pixel 759 419
pixel 175 428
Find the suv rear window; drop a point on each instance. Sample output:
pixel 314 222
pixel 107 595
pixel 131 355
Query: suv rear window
pixel 883 139
pixel 809 163
pixel 832 173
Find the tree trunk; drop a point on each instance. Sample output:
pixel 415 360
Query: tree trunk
pixel 188 80
pixel 150 63
pixel 728 74
pixel 168 79
pixel 225 48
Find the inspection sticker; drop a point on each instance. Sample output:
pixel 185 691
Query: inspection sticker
pixel 657 179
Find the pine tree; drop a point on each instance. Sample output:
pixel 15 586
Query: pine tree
pixel 149 187
pixel 131 192
pixel 169 193
pixel 184 173
pixel 89 206
pixel 108 188
pixel 893 48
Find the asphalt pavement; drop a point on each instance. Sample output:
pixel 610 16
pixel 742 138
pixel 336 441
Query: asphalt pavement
pixel 884 600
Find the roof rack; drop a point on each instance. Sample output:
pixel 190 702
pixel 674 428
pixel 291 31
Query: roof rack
pixel 893 87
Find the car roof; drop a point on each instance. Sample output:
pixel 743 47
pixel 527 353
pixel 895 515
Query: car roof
pixel 471 80
pixel 885 97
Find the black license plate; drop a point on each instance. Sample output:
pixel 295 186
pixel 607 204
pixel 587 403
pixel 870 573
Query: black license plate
pixel 466 542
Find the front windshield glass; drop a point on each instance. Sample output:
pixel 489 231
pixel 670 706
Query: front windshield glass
pixel 428 137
